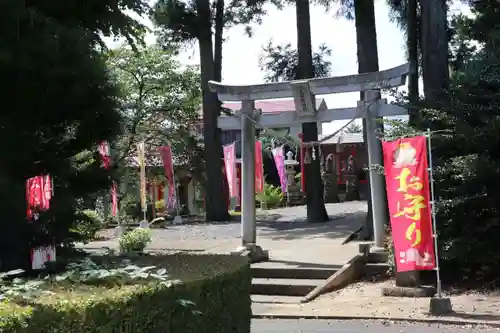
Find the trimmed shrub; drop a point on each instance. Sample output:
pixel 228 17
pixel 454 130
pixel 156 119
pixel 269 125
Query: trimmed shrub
pixel 135 240
pixel 214 296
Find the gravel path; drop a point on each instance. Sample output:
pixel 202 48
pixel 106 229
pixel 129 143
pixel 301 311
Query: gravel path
pixel 330 326
pixel 346 217
pixel 285 219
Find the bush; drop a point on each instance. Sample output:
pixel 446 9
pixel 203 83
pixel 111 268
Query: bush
pixel 214 296
pixel 89 223
pixel 271 197
pixel 135 240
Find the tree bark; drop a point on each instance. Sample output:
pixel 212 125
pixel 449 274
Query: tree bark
pixel 412 46
pixel 367 53
pixel 216 209
pixel 218 39
pixel 316 211
pixel 435 71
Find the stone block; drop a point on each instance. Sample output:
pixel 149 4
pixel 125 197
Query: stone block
pixel 440 306
pixel 409 291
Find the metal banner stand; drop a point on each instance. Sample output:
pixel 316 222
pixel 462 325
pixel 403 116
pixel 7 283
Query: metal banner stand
pixel 439 304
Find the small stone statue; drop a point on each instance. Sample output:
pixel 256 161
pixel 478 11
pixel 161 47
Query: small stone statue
pixel 351 184
pixel 330 185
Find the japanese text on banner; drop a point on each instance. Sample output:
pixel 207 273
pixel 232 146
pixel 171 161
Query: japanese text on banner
pixel 259 168
pixel 407 181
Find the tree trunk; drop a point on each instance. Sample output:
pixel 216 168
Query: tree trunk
pixel 316 211
pixel 218 39
pixel 435 69
pixel 412 45
pixel 366 41
pixel 14 249
pixel 216 210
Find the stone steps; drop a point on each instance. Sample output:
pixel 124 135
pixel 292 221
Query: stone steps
pixel 284 287
pixel 278 279
pixel 275 299
pixel 275 282
pixel 282 272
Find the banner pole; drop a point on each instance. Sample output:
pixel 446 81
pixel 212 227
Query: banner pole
pixel 431 180
pixel 177 206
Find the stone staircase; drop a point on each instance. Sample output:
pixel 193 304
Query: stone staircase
pixel 275 282
pixel 273 279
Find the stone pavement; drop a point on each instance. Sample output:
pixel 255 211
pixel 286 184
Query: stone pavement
pixel 359 326
pixel 287 235
pixel 364 300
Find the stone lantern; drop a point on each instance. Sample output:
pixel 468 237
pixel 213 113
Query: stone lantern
pixel 293 193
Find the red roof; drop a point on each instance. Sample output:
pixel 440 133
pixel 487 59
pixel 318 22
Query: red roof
pixel 270 106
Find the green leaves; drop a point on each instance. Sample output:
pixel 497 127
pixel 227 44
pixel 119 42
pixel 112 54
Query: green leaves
pixel 135 240
pixel 160 102
pixel 271 197
pixel 281 62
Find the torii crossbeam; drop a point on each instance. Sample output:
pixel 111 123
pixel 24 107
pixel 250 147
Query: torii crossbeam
pixel 303 92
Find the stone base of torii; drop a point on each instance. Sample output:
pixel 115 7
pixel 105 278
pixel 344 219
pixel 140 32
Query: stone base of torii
pixel 303 92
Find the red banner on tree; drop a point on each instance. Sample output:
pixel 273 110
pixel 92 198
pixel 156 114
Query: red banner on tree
pixel 103 150
pixel 38 194
pixel 168 165
pixel 406 167
pixel 230 168
pixel 259 168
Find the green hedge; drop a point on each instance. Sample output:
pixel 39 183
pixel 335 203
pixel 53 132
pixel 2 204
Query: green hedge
pixel 221 294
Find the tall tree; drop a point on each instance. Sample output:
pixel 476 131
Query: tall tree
pixel 425 24
pixel 64 103
pixel 353 128
pixel 160 102
pixel 187 22
pixel 412 37
pixel 281 62
pixel 435 71
pixel 316 211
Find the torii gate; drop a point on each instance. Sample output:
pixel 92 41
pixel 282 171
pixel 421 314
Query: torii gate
pixel 303 92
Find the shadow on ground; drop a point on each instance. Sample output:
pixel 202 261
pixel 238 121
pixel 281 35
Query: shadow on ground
pixel 339 226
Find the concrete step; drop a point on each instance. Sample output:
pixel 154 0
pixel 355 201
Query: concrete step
pixel 275 299
pixel 378 257
pixel 375 269
pixel 284 272
pixel 284 287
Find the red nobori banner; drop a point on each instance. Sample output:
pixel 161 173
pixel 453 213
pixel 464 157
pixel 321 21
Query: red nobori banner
pixel 407 180
pixel 230 168
pixel 259 168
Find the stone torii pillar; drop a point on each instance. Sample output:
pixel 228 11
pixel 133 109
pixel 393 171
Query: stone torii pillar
pixel 303 92
pixel 248 217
